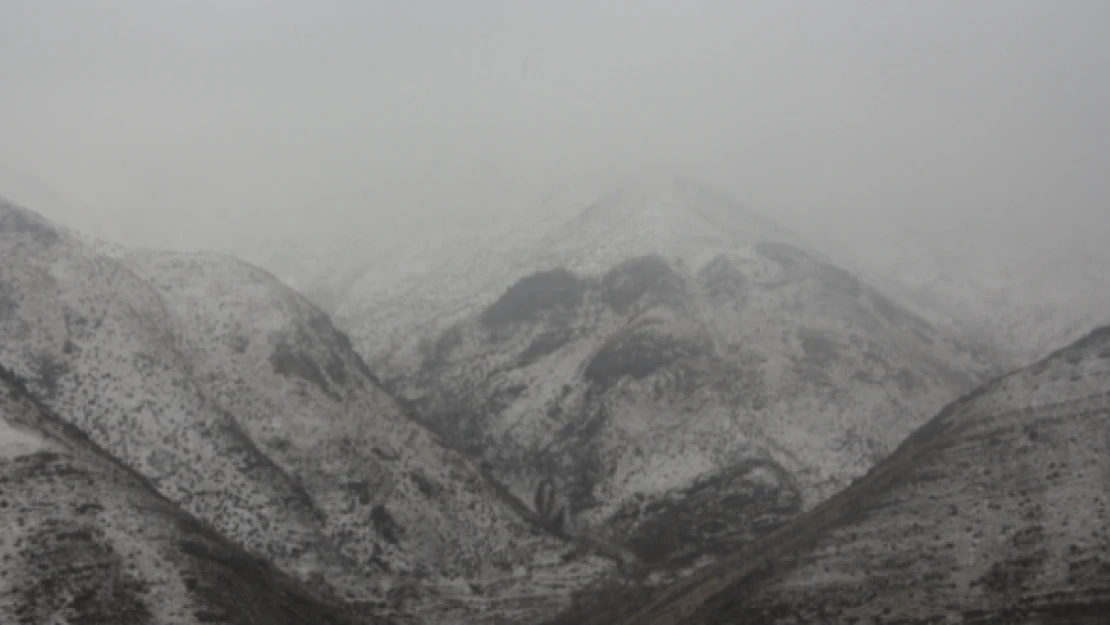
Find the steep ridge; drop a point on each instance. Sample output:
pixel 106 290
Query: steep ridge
pixel 993 512
pixel 241 402
pixel 86 540
pixel 677 404
pixel 390 291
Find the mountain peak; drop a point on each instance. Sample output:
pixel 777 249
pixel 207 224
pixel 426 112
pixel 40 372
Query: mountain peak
pixel 674 216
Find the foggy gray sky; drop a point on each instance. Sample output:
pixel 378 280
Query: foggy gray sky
pixel 155 117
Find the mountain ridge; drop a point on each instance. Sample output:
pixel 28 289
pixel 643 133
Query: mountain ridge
pixel 725 590
pixel 85 559
pixel 306 459
pixel 650 380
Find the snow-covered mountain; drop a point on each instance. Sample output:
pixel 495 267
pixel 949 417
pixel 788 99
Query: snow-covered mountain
pixel 995 511
pixel 386 285
pixel 238 400
pixel 87 540
pixel 668 374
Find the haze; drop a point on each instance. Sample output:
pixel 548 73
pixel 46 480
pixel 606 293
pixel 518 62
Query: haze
pixel 188 124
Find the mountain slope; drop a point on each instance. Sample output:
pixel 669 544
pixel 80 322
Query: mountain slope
pixel 241 402
pixel 86 540
pixel 993 512
pixel 677 404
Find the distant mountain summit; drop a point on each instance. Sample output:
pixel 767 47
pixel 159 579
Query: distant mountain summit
pixel 670 374
pixel 581 228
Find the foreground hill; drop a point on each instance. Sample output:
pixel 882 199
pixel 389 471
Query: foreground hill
pixel 993 512
pixel 86 540
pixel 687 398
pixel 240 402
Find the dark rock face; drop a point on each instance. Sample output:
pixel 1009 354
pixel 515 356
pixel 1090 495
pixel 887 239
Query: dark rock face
pixel 637 353
pixel 635 279
pixel 534 295
pixel 996 511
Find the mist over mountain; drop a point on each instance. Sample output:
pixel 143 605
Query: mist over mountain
pixel 495 313
pixel 673 353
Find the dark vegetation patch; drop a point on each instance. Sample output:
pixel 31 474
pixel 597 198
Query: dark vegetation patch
pixel 715 515
pixel 1099 337
pixel 72 563
pixel 289 362
pixel 505 396
pixel 360 490
pixel 238 344
pixel 534 295
pixel 444 345
pixel 820 350
pixel 827 275
pixel 574 456
pixel 632 280
pixel 385 525
pixel 340 345
pixel 637 353
pixel 908 381
pixel 898 316
pixel 8 304
pixel 336 369
pixel 49 373
pixel 235 587
pixel 723 278
pixel 424 484
pixel 544 344
pixel 549 509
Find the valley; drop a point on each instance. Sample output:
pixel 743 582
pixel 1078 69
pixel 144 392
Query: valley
pixel 662 409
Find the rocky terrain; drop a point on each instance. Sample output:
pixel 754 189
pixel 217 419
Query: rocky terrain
pixel 238 400
pixel 995 511
pixel 675 405
pixel 87 540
